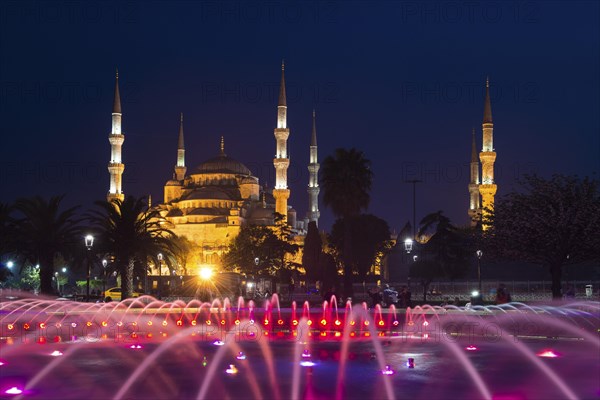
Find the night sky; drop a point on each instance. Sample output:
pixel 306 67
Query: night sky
pixel 402 81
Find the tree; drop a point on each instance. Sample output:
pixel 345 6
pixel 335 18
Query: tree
pixel 133 236
pixel 346 179
pixel 44 232
pixel 313 250
pixel 370 237
pixel 446 253
pixel 260 250
pixel 551 222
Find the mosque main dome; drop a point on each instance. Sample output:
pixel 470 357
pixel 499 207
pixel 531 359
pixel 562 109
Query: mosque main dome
pixel 222 164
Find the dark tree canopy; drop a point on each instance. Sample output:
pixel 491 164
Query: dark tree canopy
pixel 260 250
pixel 370 236
pixel 42 231
pixel 132 235
pixel 551 222
pixel 346 178
pixel 313 250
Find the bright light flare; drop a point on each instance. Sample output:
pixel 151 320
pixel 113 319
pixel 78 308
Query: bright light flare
pixel 388 370
pixel 307 363
pixel 548 354
pixel 218 343
pixel 56 353
pixel 206 273
pixel 241 356
pixel 475 293
pixel 232 370
pixel 135 346
pixel 14 390
pixel 2 362
pixel 471 348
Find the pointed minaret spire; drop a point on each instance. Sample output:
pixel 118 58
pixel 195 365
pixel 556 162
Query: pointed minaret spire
pixel 313 177
pixel 488 187
pixel 116 139
pixel 223 146
pixel 180 168
pixel 281 161
pixel 487 107
pixel 117 99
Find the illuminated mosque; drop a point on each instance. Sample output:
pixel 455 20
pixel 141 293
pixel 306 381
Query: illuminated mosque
pixel 210 204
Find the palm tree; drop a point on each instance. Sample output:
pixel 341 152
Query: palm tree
pixel 44 232
pixel 132 236
pixel 346 178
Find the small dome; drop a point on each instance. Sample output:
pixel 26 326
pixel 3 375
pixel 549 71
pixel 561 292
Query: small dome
pixel 223 164
pixel 173 182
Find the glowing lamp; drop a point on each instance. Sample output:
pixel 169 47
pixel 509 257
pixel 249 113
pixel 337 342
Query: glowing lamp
pixel 223 322
pixel 179 322
pixel 251 322
pixel 207 322
pixel 232 370
pixel 119 323
pixel 295 322
pixel 204 362
pixel 471 348
pixel 309 322
pixel 410 363
pixel 337 322
pixel 14 390
pixel 475 293
pixel 26 326
pixel 218 343
pixel 164 323
pixel 408 245
pixel 42 325
pixel 425 323
pixel 89 323
pixel 194 322
pixel 56 353
pixel 395 323
pixel 42 340
pixel 307 363
pixel 266 321
pixel 206 273
pixel 237 321
pixel 11 327
pixel 279 322
pixel 338 334
pixel 426 336
pixel 323 334
pixel 352 323
pixel 104 323
pixel 149 323
pixel 366 323
pixel 149 335
pixel 135 346
pixel 352 334
pixel 381 323
pixel 548 354
pixel 410 323
pixel 388 370
pixel 306 353
pixel 367 334
pixel 241 356
pixel 323 322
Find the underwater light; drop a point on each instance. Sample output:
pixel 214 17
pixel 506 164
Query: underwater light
pixel 56 353
pixel 307 363
pixel 548 354
pixel 241 356
pixel 14 390
pixel 388 370
pixel 232 369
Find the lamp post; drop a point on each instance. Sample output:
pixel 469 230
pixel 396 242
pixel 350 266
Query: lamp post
pixel 104 264
pixel 408 245
pixel 479 253
pixel 160 258
pixel 89 242
pixel 57 283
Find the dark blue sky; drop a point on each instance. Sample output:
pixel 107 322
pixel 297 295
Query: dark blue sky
pixel 402 81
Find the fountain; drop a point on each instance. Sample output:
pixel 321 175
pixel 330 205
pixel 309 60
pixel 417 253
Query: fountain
pixel 145 348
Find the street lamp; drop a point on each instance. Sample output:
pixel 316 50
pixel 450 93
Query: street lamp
pixel 89 242
pixel 160 258
pixel 408 245
pixel 10 264
pixel 104 264
pixel 479 253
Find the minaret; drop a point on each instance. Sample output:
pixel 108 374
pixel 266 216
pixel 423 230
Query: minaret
pixel 180 168
pixel 487 157
pixel 313 180
pixel 116 139
pixel 281 161
pixel 474 199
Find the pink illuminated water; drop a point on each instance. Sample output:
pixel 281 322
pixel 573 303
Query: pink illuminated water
pixel 212 349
